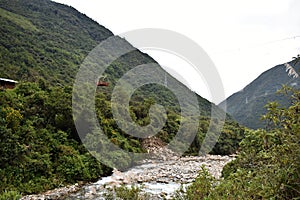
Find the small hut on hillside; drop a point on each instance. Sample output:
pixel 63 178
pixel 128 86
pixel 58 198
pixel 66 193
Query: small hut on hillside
pixel 7 83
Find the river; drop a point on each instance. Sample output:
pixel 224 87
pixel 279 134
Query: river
pixel 159 178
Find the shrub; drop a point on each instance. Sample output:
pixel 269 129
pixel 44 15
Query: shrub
pixel 10 195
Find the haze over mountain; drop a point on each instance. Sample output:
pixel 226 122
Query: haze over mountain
pixel 248 105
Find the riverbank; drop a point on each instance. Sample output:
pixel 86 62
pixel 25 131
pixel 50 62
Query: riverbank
pixel 157 177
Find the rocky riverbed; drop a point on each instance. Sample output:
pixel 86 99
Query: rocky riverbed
pixel 159 177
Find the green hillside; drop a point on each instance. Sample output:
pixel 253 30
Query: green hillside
pixel 40 38
pixel 248 105
pixel 42 45
pixel 43 39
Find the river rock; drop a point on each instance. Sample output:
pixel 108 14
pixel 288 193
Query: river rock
pixel 155 173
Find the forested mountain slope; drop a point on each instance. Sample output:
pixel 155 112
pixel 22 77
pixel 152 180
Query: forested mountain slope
pixel 248 105
pixel 42 45
pixel 40 38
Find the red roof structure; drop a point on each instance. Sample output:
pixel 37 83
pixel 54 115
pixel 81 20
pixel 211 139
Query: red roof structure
pixel 102 83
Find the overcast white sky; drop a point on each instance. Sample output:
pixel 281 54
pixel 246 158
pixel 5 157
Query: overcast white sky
pixel 243 38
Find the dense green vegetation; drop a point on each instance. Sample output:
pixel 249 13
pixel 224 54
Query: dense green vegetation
pixel 40 38
pixel 247 105
pixel 268 165
pixel 38 143
pixel 40 148
pixel 42 45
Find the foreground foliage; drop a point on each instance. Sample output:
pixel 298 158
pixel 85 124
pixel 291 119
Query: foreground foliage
pixel 10 195
pixel 268 166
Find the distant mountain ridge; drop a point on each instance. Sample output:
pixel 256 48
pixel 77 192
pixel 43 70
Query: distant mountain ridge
pixel 247 105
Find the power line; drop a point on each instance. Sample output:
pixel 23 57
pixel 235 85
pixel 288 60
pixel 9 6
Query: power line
pixel 259 45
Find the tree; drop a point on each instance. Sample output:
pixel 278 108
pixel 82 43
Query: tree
pixel 268 164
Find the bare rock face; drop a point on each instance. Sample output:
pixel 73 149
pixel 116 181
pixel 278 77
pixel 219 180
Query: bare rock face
pixel 151 143
pixel 158 150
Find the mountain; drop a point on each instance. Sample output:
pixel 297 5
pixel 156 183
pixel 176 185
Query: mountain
pixel 42 46
pixel 46 42
pixel 45 39
pixel 248 105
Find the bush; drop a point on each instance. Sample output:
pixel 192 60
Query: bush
pixel 268 165
pixel 126 193
pixel 200 189
pixel 10 195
